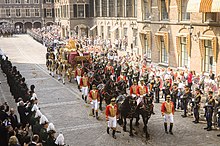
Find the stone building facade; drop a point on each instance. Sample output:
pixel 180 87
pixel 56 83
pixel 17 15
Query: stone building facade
pixel 25 14
pixel 175 33
pixel 74 16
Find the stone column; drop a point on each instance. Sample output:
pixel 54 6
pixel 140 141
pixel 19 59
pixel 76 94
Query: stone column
pixel 107 8
pixel 125 8
pixel 94 8
pixel 100 8
pixel 116 9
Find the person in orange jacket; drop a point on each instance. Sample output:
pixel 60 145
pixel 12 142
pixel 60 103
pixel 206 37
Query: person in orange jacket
pixel 167 110
pixel 94 98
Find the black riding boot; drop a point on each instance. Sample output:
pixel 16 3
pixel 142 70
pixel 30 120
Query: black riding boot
pixel 82 97
pixel 171 127
pixel 108 130
pixel 93 113
pixel 96 114
pixel 113 134
pixel 85 99
pixel 165 126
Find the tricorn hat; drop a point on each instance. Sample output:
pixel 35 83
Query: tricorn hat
pixel 113 100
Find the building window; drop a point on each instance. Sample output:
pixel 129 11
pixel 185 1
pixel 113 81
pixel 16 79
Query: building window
pixel 7 1
pixel 97 8
pixel 120 8
pixel 104 8
pixel 26 1
pixel 48 13
pixel 18 12
pixel 185 16
pixel 111 8
pixel 135 8
pixel 81 11
pixel 36 1
pixel 27 12
pixel 184 54
pixel 146 50
pixel 102 32
pixel 129 6
pixel 209 63
pixel 135 38
pixel 164 13
pixel 8 12
pixel 109 33
pixel 125 32
pixel 146 10
pixel 210 17
pixel 117 34
pixel 163 52
pixel 17 1
pixel 37 12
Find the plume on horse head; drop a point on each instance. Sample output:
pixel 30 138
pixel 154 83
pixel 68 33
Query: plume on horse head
pixel 120 100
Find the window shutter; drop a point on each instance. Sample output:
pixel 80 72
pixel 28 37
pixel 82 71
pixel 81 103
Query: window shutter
pixel 166 41
pixel 159 5
pixel 202 48
pixel 167 5
pixel 158 43
pixel 178 48
pixel 214 46
pixel 149 39
pixel 188 44
pixel 74 10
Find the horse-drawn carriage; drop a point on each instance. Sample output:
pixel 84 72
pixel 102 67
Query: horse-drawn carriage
pixel 74 55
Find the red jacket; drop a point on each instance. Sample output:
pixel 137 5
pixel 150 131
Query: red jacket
pixel 91 94
pixel 122 78
pixel 132 88
pixel 77 72
pixel 139 88
pixel 81 81
pixel 109 68
pixel 163 107
pixel 108 109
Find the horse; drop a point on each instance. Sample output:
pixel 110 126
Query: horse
pixel 121 87
pixel 145 109
pixel 127 109
pixel 109 91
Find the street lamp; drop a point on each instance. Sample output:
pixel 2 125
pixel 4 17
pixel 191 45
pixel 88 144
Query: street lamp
pixel 194 37
pixel 191 28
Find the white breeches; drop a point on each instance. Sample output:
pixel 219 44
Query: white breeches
pixel 78 79
pixel 85 91
pixel 112 121
pixel 94 104
pixel 139 100
pixel 168 117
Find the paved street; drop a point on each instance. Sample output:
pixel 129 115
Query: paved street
pixel 63 106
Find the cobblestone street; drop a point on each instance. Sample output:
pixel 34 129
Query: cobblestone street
pixel 63 106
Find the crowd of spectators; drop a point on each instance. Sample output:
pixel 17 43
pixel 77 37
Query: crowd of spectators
pixel 31 127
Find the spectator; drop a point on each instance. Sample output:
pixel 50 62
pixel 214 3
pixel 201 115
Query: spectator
pixel 35 141
pixel 13 118
pixel 13 141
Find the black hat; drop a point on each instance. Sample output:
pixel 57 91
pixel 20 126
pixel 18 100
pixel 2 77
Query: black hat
pixel 210 92
pixel 186 86
pixel 168 96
